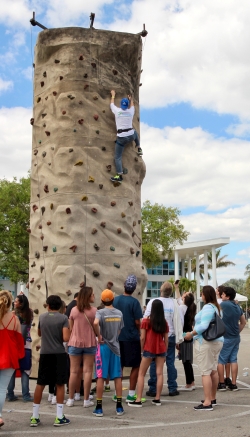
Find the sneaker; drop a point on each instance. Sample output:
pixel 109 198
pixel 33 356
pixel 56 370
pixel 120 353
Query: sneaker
pixel 152 394
pixel 184 388
pixel 62 421
pixel 70 403
pixel 227 381
pixel 139 151
pixel 233 387
pixel 202 407
pixel 77 397
pixel 98 412
pixel 34 421
pixel 50 397
pixel 221 386
pixel 135 404
pixel 173 393
pixel 156 402
pixel 54 401
pixel 13 399
pixel 91 397
pixel 119 411
pixel 88 404
pixel 117 178
pixel 213 402
pixel 133 398
pixel 107 388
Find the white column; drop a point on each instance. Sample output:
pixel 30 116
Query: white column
pixel 205 268
pixel 183 268
pixel 197 275
pixel 189 268
pixel 176 265
pixel 214 278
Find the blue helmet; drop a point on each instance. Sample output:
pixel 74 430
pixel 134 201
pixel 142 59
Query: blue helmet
pixel 124 103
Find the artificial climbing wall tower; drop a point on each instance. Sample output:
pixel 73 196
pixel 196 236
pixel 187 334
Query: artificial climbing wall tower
pixel 81 223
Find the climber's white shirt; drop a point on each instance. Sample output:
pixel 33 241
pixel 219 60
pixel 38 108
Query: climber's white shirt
pixel 123 119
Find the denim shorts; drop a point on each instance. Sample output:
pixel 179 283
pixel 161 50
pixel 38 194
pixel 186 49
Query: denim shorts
pixel 229 352
pixel 72 350
pixel 147 354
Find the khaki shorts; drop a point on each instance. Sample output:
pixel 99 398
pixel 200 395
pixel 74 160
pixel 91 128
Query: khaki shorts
pixel 207 355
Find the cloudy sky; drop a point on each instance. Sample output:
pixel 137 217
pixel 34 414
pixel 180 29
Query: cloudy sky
pixel 195 103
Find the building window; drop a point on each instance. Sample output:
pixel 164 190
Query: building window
pixel 166 268
pixel 153 289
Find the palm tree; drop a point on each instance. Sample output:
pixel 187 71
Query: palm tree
pixel 220 261
pixel 187 285
pixel 247 271
pixel 193 268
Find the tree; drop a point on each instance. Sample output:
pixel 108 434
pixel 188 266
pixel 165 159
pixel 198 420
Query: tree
pixel 220 260
pixel 161 232
pixel 14 221
pixel 247 271
pixel 239 285
pixel 193 268
pixel 187 285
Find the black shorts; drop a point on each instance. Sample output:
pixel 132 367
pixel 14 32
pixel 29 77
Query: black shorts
pixel 130 353
pixel 52 369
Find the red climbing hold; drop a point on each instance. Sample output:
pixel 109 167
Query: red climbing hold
pixel 119 230
pixel 113 203
pixel 63 112
pixel 81 121
pixel 85 86
pixel 40 227
pixel 81 58
pixel 94 210
pixel 93 64
pixel 47 133
pixel 94 231
pixel 132 251
pixel 32 280
pixel 48 223
pixel 28 230
pixel 103 224
pixel 73 248
pixel 115 72
pixel 46 188
pixel 34 207
pixel 108 167
pixel 35 152
pixel 42 237
pixel 54 93
pixel 96 116
pixel 32 121
pixel 42 84
pixel 110 285
pixel 68 210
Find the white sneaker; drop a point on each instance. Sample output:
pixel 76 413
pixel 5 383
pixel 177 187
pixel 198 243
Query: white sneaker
pixel 50 397
pixel 88 404
pixel 53 401
pixel 77 397
pixel 91 397
pixel 184 388
pixel 70 403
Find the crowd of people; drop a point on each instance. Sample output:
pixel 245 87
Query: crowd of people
pixel 81 339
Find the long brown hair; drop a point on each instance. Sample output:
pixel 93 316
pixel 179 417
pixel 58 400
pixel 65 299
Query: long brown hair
pixel 24 310
pixel 210 296
pixel 191 307
pixel 5 302
pixel 83 299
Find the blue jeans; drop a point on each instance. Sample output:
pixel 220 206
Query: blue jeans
pixel 25 386
pixel 5 375
pixel 121 142
pixel 171 370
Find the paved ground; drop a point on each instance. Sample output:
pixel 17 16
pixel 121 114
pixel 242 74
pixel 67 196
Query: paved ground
pixel 175 417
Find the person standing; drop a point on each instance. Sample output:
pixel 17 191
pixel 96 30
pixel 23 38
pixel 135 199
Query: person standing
pixel 71 305
pixel 125 132
pixel 129 338
pixel 11 345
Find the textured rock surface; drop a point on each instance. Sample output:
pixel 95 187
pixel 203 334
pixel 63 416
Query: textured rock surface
pixel 73 152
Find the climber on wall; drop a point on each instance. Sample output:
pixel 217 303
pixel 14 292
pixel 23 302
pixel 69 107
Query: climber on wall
pixel 125 132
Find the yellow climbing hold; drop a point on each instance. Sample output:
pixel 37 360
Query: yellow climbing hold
pixel 91 179
pixel 51 206
pixel 85 198
pixel 79 163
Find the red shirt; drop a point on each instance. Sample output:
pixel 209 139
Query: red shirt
pixel 11 347
pixel 154 341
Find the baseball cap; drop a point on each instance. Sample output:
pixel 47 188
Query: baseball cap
pixel 107 295
pixel 124 103
pixel 130 283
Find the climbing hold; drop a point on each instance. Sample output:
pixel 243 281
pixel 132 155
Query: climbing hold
pixel 28 230
pixel 34 207
pixel 123 214
pixel 81 121
pixel 103 148
pixel 119 230
pixel 46 188
pixel 85 75
pixel 36 311
pixel 35 165
pixel 133 234
pixel 108 167
pixel 44 115
pixel 39 142
pixel 48 223
pixel 43 209
pixel 97 132
pixel 44 124
pixel 68 211
pixel 137 182
pixel 35 152
pixel 51 206
pixel 130 203
pixel 41 268
pixel 134 223
pixel 49 163
pixel 61 77
pixel 84 198
pixel 42 237
pixel 129 74
pixel 33 324
pixel 115 72
pixel 82 284
pixel 81 58
pixel 96 246
pixel 95 97
pixel 137 253
pixel 95 273
pixel 40 226
pixel 78 163
pixel 112 248
pixel 33 264
pixel 94 231
pixel 45 248
pixel 38 195
pixel 117 265
pixel 52 148
pixel 71 150
pixel 32 121
pixel 91 179
pixel 74 130
pixel 80 102
pixel 63 112
pixel 44 74
pixel 140 84
pixel 55 189
pixel 110 285
pixel 27 285
pixel 54 93
pixel 38 99
pixel 138 118
pixel 68 292
pixel 37 255
pixel 103 111
pixel 101 186
pixel 42 84
pixel 125 171
pixel 85 86
pixel 136 159
pixel 54 249
pixel 57 61
pixel 132 251
pixel 94 210
pixel 61 227
pixel 43 154
pixel 103 224
pixel 113 203
pixel 46 98
pixel 139 244
pixel 93 64
pixel 139 222
pixel 96 116
pixel 70 97
pixel 73 248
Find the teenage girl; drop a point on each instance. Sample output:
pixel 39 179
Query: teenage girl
pixel 154 344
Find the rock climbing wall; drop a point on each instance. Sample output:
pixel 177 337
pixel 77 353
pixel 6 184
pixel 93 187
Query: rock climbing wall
pixel 82 224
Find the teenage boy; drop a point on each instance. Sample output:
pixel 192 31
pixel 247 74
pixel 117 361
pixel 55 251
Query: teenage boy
pixel 129 338
pixel 53 327
pixel 234 320
pixel 107 325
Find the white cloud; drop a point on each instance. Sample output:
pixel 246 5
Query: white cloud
pixel 5 85
pixel 15 12
pixel 28 73
pixel 239 130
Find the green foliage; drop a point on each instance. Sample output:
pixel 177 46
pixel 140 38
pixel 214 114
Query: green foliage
pixel 161 232
pixel 14 221
pixel 239 285
pixel 186 285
